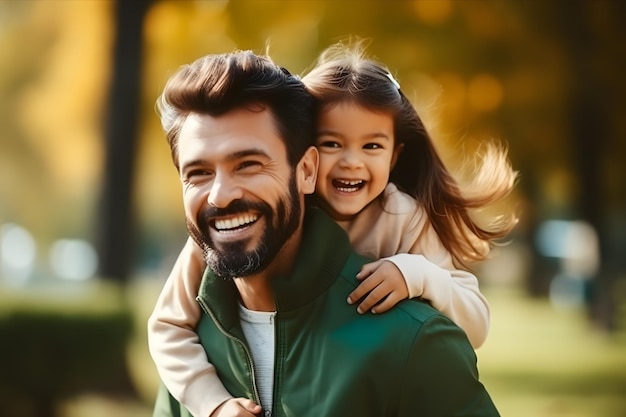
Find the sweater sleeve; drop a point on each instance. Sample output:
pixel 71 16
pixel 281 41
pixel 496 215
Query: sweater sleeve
pixel 173 343
pixel 453 292
pixel 430 272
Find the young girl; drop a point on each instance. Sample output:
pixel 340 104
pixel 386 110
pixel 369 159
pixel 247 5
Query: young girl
pixel 382 181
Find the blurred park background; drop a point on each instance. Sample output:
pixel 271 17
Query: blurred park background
pixel 90 205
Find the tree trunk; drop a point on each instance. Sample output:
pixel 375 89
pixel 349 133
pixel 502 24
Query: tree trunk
pixel 115 222
pixel 591 105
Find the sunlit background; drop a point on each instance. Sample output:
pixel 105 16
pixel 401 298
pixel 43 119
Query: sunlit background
pixel 90 204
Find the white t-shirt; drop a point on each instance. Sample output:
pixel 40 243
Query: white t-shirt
pixel 258 327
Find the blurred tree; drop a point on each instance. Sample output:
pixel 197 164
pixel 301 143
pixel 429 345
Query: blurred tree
pixel 579 42
pixel 588 30
pixel 116 231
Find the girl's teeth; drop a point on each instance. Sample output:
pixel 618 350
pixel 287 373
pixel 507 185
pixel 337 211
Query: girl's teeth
pixel 348 186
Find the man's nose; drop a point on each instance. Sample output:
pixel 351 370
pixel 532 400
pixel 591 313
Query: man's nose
pixel 225 189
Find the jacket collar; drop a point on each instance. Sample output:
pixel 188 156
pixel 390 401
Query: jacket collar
pixel 323 252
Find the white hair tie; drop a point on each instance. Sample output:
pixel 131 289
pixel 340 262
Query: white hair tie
pixel 393 80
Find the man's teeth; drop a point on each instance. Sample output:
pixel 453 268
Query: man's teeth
pixel 235 222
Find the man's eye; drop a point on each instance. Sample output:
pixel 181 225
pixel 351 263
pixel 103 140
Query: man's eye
pixel 197 174
pixel 249 165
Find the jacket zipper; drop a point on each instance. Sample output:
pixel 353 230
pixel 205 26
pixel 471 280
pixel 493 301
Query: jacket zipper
pixel 257 397
pixel 277 362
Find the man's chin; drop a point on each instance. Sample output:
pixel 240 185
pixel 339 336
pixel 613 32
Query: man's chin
pixel 229 248
pixel 235 260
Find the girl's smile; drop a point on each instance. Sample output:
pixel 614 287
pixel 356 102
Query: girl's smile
pixel 348 186
pixel 357 151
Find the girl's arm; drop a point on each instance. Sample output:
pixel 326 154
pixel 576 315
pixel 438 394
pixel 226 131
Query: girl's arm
pixel 414 264
pixel 431 274
pixel 174 345
pixel 453 292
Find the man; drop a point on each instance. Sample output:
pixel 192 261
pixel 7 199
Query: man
pixel 277 326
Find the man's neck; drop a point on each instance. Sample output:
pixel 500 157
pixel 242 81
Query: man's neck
pixel 256 290
pixel 256 293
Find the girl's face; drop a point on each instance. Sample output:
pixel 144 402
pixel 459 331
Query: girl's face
pixel 357 151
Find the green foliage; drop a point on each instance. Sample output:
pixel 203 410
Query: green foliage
pixel 49 356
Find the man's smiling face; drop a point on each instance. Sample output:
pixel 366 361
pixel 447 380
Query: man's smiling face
pixel 240 194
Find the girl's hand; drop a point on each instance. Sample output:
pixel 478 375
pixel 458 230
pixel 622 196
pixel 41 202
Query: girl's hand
pixel 237 407
pixel 385 284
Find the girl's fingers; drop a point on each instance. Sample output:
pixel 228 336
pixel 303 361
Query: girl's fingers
pixel 364 287
pixel 368 269
pixel 374 297
pixel 249 405
pixel 382 285
pixel 360 291
pixel 237 407
pixel 386 305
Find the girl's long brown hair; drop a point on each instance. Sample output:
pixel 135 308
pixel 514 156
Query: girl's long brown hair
pixel 344 74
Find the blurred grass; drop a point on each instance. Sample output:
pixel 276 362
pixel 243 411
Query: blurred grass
pixel 545 362
pixel 538 361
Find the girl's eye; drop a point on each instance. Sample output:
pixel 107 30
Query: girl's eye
pixel 372 146
pixel 329 144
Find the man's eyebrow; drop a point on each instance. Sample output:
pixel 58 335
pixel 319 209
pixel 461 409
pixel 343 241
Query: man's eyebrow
pixel 229 158
pixel 247 152
pixel 195 162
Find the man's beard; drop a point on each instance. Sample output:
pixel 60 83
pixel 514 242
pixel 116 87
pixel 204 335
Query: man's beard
pixel 231 259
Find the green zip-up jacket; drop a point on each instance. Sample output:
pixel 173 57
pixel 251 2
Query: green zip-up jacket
pixel 331 361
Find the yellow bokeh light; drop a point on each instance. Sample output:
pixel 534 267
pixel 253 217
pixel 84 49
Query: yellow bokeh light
pixel 484 93
pixel 433 11
pixel 61 110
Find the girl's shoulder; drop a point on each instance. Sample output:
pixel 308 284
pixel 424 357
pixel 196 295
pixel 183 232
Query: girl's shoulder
pixel 399 202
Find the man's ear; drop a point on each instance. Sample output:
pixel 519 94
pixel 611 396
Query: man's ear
pixel 306 170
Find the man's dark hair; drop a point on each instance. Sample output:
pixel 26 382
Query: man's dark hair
pixel 217 84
